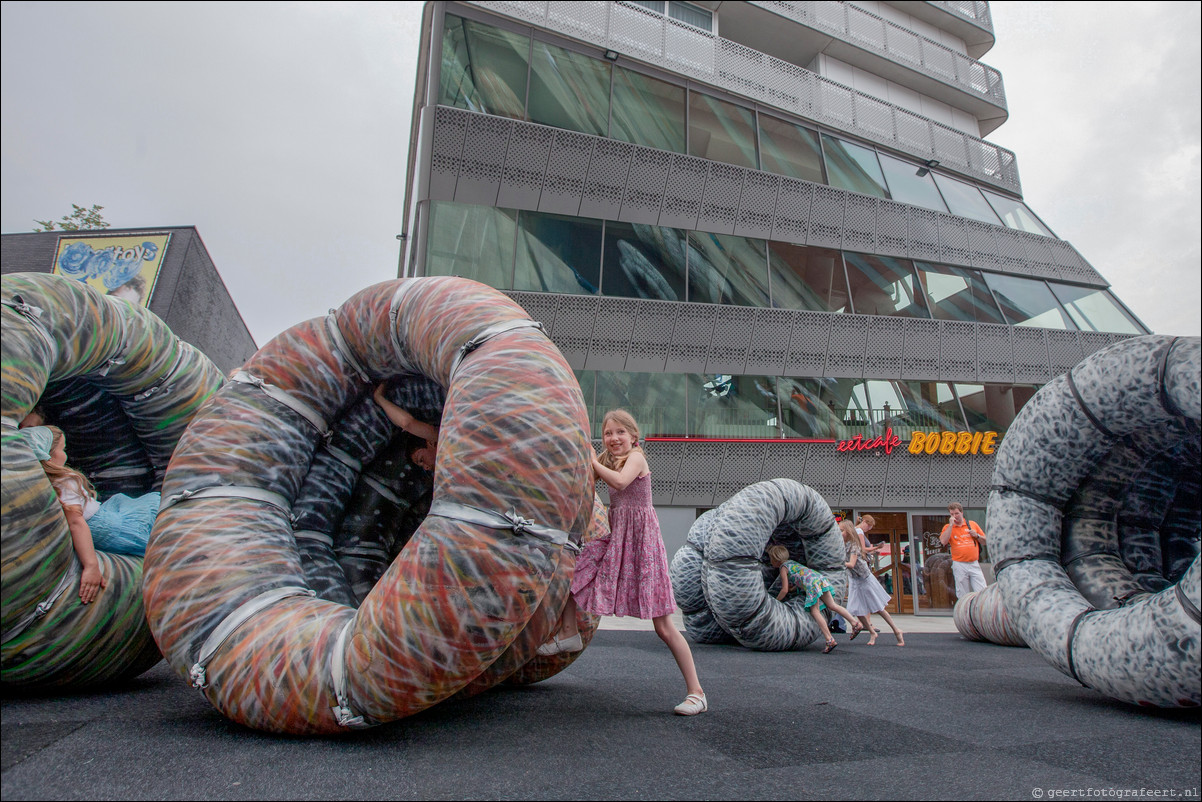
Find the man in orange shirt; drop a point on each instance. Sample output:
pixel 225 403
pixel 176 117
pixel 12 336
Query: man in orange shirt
pixel 966 539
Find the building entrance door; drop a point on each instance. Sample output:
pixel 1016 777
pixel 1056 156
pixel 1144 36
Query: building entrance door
pixel 892 564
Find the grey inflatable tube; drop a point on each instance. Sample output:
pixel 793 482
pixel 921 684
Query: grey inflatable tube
pixel 1094 519
pixel 730 541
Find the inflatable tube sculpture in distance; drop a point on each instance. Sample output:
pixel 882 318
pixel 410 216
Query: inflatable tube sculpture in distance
pixel 472 593
pixel 981 616
pixel 1094 520
pixel 735 577
pixel 123 388
pixel 685 572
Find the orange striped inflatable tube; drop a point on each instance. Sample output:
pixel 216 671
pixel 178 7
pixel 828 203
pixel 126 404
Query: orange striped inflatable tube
pixel 474 591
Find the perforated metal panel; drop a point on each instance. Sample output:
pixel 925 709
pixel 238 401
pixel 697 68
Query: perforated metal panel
pixel 611 334
pixel 982 244
pixel 826 217
pixel 793 203
pixel 1064 350
pixel 1011 251
pixel 951 478
pixel 824 469
pixel 920 352
pixel 742 465
pixel 731 338
pixel 808 344
pixel 484 147
pixel 770 334
pixel 664 461
pixel 924 234
pixel 1031 356
pixel 982 478
pixel 1039 256
pixel 1092 341
pixel 783 461
pixel 682 193
pixel 859 223
pixel 995 353
pixel 540 306
pixel 645 189
pixel 848 342
pixel 653 324
pixel 700 466
pixel 757 205
pixel 606 182
pixel 525 167
pixel 953 241
pixel 691 338
pixel 906 483
pixel 914 135
pixel 864 478
pixel 720 204
pixel 574 321
pixel 1073 267
pixel 450 127
pixel 567 168
pixel 958 350
pixel 892 228
pixel 883 357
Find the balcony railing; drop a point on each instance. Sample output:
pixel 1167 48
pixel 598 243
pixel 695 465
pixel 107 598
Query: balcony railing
pixel 975 12
pixel 665 42
pixel 868 31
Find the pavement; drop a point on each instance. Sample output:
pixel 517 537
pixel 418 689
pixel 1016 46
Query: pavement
pixel 941 718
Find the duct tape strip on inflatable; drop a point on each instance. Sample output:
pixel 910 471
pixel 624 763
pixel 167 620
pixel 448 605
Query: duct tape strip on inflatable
pixel 726 548
pixel 1094 519
pixel 477 587
pixel 123 387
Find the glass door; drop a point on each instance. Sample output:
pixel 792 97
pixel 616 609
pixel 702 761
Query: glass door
pixel 932 565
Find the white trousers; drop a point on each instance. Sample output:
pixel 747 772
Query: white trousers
pixel 968 577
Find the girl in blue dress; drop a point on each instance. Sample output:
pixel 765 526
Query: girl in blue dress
pixel 119 525
pixel 814 588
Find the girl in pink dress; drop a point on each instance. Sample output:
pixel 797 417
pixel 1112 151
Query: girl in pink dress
pixel 626 574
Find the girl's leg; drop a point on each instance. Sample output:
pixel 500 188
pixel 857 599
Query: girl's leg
pixel 829 601
pixel 896 632
pixel 567 620
pixel 679 647
pixel 866 623
pixel 826 632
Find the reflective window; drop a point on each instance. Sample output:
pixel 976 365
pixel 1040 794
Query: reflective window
pixel 907 406
pixel 853 167
pixel 807 278
pixel 569 90
pixel 1028 302
pixel 556 253
pixel 1094 310
pixel 644 262
pixel 966 200
pixel 808 408
pixel 723 405
pixel 475 242
pixel 883 285
pixel 721 131
pixel 992 407
pixel 957 293
pixel 656 400
pixel 907 186
pixel 727 270
pixel 1015 214
pixel 483 68
pixel 789 149
pixel 647 111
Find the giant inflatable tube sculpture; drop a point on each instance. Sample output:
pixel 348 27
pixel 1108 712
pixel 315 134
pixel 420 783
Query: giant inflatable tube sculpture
pixel 1094 521
pixel 735 580
pixel 123 388
pixel 477 587
pixel 685 572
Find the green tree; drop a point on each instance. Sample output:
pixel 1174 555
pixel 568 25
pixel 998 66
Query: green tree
pixel 80 219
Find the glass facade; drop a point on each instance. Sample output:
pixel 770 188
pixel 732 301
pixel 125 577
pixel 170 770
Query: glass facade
pixel 1094 310
pixel 644 262
pixel 853 167
pixel 569 90
pixel 727 270
pixel 484 68
pixel 807 278
pixel 647 111
pixel 883 285
pixel 721 131
pixel 957 293
pixel 1028 302
pixel 907 186
pixel 789 149
pixel 558 254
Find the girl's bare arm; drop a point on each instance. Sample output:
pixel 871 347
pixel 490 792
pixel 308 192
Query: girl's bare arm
pixel 402 419
pixel 92 581
pixel 636 466
pixel 784 584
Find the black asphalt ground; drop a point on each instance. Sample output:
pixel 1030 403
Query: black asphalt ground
pixel 941 718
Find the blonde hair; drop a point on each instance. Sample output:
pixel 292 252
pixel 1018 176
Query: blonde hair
pixel 60 475
pixel 778 555
pixel 866 519
pixel 626 421
pixel 849 533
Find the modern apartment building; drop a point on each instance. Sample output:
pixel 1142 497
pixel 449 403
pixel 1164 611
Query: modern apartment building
pixel 773 231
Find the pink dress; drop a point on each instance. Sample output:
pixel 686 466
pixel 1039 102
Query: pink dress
pixel 626 574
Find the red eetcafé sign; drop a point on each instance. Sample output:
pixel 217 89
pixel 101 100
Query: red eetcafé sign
pixel 959 443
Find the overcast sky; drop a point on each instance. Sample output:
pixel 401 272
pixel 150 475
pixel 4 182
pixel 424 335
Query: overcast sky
pixel 281 132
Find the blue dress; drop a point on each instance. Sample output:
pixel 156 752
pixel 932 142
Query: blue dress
pixel 122 524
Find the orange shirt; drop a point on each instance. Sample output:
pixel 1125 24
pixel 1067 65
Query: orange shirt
pixel 964 546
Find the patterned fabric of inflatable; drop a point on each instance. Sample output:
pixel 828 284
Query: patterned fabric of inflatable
pixel 726 547
pixel 477 587
pixel 123 388
pixel 1094 520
